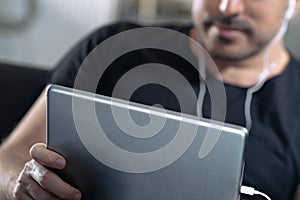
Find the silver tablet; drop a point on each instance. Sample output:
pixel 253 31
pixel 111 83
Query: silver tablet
pixel 118 150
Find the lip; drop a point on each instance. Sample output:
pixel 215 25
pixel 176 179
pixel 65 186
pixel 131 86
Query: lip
pixel 229 31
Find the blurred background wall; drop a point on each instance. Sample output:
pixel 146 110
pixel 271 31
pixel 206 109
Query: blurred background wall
pixel 37 33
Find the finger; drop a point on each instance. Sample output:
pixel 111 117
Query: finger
pixel 37 192
pixel 20 194
pixel 52 183
pixel 25 197
pixel 46 157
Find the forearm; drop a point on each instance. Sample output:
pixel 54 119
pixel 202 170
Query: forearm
pixel 14 152
pixel 10 168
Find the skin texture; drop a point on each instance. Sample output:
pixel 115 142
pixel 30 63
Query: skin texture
pixel 238 55
pixel 248 17
pixel 238 36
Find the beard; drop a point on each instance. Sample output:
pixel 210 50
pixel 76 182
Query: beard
pixel 256 42
pixel 255 49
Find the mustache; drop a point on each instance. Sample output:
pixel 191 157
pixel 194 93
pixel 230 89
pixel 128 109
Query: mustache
pixel 231 21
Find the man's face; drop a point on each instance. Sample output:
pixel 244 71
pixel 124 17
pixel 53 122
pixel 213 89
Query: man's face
pixel 237 29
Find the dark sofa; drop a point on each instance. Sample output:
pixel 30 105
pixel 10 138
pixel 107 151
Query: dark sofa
pixel 19 87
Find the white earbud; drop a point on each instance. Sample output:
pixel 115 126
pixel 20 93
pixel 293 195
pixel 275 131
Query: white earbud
pixel 288 15
pixel 290 10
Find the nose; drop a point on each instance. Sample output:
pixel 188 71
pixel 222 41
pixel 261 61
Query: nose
pixel 231 7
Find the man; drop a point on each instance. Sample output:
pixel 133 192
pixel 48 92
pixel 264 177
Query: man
pixel 244 37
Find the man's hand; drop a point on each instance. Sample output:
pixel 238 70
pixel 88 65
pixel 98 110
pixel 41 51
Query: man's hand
pixel 37 182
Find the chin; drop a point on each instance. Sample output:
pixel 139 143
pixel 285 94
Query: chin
pixel 227 57
pixel 233 57
pixel 232 53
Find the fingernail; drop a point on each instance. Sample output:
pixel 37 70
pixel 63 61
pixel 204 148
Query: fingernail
pixel 77 196
pixel 60 162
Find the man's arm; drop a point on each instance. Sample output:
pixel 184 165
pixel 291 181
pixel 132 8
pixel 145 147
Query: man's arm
pixel 14 152
pixel 23 165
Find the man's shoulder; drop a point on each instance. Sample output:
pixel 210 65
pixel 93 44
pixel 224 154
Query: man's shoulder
pixel 67 68
pixel 114 28
pixel 104 32
pixel 120 26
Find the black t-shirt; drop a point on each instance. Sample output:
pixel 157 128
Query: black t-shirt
pixel 273 149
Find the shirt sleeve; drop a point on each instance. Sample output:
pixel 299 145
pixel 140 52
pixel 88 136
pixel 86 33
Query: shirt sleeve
pixel 65 72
